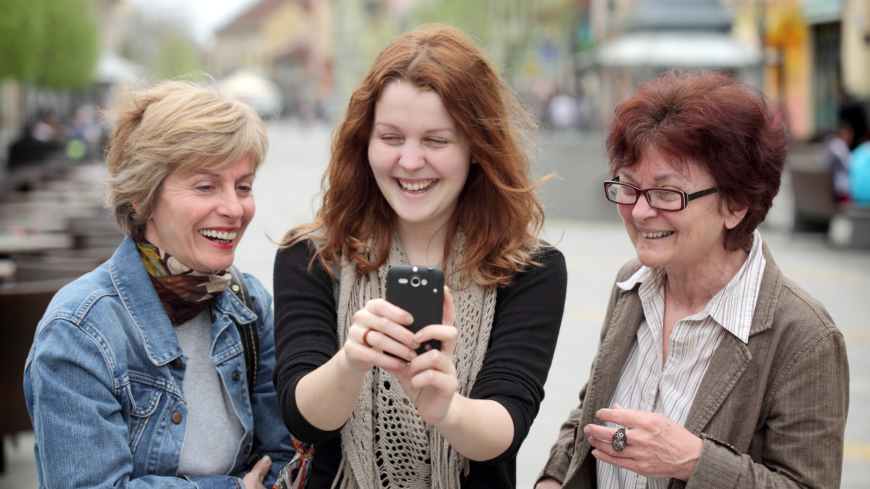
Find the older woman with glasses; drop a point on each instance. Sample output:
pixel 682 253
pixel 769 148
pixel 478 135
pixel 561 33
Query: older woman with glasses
pixel 714 370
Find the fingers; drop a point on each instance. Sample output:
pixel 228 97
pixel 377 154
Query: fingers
pixel 624 462
pixel 448 315
pixel 444 383
pixel 443 333
pixel 630 418
pixel 603 433
pixel 261 468
pixel 381 307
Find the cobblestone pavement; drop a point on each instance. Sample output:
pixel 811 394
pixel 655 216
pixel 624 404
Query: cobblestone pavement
pixel 594 248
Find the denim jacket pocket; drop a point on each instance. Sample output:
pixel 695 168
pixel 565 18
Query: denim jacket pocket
pixel 144 400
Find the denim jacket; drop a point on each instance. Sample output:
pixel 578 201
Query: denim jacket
pixel 105 392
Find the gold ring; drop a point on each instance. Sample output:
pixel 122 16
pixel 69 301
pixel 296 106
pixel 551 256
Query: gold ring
pixel 365 341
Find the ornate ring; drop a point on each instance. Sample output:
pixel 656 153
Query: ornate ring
pixel 364 338
pixel 619 440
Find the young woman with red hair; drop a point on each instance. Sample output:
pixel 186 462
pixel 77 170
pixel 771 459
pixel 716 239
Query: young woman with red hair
pixel 428 167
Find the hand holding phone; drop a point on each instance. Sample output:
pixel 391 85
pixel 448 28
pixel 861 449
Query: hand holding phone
pixel 419 290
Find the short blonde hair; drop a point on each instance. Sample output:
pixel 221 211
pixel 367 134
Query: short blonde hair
pixel 174 126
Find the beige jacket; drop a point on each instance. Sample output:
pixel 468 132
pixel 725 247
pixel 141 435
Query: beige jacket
pixel 771 412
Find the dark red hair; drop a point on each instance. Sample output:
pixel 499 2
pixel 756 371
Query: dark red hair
pixel 498 211
pixel 727 127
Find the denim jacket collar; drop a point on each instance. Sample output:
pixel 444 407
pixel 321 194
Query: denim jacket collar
pixel 136 292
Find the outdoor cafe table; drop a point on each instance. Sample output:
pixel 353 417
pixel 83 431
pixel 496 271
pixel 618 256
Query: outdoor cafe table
pixel 12 243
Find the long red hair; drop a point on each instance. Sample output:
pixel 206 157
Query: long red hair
pixel 498 211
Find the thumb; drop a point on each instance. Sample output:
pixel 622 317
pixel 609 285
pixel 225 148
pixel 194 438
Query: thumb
pixel 261 469
pixel 448 315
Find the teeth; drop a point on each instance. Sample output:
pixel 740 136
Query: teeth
pixel 416 186
pixel 657 235
pixel 222 235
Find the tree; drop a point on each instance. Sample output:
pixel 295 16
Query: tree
pixel 52 43
pixel 70 44
pixel 21 28
pixel 177 58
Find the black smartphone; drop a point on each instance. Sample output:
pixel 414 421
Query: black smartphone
pixel 419 290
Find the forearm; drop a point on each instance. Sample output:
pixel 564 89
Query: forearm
pixel 479 429
pixel 327 396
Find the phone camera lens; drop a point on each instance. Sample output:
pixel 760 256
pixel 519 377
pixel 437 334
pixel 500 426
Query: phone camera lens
pixel 415 281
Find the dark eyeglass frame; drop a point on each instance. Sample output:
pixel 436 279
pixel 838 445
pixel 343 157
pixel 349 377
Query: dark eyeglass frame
pixel 686 198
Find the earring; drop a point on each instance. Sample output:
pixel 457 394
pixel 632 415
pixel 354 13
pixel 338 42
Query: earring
pixel 733 222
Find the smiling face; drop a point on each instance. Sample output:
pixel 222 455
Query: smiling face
pixel 200 217
pixel 674 239
pixel 418 156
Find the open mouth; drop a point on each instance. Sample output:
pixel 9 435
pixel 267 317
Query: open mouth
pixel 418 187
pixel 223 237
pixel 663 234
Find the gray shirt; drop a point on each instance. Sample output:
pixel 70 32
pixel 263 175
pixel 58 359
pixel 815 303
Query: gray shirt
pixel 214 430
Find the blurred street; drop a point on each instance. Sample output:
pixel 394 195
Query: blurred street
pixel 587 230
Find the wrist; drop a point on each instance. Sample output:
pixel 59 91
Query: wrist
pixel 452 418
pixel 696 447
pixel 347 367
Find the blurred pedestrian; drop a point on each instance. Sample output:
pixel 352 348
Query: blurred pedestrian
pixel 713 370
pixel 429 168
pixel 837 148
pixel 138 376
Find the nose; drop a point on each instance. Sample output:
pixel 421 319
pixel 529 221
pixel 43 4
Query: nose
pixel 642 210
pixel 411 159
pixel 230 206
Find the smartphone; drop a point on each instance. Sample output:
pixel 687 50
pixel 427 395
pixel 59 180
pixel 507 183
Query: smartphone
pixel 419 290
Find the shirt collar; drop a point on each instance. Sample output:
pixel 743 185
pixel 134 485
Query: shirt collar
pixel 732 307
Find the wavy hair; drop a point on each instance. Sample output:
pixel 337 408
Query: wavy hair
pixel 498 210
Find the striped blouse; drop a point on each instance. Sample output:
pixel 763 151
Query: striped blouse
pixel 645 384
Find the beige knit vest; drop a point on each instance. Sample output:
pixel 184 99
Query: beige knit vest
pixel 385 443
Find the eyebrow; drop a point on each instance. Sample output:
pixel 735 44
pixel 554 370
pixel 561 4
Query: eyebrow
pixel 395 127
pixel 659 178
pixel 215 175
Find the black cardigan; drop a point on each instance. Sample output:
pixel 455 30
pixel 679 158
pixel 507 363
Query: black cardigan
pixel 525 328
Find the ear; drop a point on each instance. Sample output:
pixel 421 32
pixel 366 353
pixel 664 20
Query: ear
pixel 734 215
pixel 137 207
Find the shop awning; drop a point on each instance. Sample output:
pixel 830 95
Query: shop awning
pixel 678 49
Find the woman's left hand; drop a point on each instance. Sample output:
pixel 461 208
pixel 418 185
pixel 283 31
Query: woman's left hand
pixel 430 379
pixel 656 446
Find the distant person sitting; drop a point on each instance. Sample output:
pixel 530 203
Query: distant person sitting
pixel 836 154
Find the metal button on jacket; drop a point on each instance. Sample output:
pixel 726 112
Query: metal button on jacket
pixel 176 417
pixel 175 363
pixel 235 376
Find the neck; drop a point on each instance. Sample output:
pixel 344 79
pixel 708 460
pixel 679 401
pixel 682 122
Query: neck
pixel 424 245
pixel 692 287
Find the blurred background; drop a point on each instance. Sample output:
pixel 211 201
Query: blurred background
pixel 63 63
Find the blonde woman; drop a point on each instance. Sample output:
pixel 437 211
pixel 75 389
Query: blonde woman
pixel 137 376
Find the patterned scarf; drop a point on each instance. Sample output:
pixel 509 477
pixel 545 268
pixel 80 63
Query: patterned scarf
pixel 183 292
pixel 385 443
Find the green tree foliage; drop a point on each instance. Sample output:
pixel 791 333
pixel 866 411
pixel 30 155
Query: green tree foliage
pixel 21 29
pixel 70 44
pixel 177 58
pixel 52 43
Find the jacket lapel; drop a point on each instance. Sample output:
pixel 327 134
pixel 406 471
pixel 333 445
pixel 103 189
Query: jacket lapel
pixel 733 356
pixel 621 334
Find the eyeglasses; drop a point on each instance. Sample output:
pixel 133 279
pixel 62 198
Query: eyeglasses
pixel 666 199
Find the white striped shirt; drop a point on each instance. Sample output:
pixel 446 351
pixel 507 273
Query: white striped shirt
pixel 645 384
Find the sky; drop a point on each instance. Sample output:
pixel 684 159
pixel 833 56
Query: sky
pixel 206 16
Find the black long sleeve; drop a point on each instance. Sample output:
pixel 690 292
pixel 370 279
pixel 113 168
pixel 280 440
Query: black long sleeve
pixel 525 329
